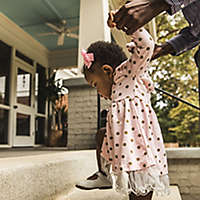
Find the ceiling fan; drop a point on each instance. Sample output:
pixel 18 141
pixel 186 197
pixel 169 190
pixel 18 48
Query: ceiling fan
pixel 61 30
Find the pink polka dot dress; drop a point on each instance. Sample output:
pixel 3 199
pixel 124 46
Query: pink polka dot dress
pixel 133 144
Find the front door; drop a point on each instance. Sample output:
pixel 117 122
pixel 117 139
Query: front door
pixel 24 104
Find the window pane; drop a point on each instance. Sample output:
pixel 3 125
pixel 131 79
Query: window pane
pixel 23 125
pixel 39 130
pixel 24 87
pixel 3 126
pixel 4 73
pixel 24 58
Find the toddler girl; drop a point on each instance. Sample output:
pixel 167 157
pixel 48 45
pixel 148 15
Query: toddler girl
pixel 133 145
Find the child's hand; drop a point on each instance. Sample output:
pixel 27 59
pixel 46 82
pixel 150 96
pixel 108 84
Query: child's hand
pixel 110 20
pixel 131 46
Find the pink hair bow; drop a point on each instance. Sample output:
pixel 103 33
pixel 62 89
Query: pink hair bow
pixel 88 58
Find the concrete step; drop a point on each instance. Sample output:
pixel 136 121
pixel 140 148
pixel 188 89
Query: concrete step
pixel 52 176
pixel 77 194
pixel 40 177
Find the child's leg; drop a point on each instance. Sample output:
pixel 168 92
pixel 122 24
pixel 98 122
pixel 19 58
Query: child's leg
pixel 132 196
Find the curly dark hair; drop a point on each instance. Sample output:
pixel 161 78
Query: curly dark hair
pixel 106 53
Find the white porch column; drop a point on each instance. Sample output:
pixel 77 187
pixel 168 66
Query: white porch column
pixel 92 25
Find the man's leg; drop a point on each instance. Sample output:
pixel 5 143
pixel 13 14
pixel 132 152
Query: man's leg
pixel 98 180
pixel 99 141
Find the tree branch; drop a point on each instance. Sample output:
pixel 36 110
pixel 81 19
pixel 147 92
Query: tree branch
pixel 169 33
pixel 161 22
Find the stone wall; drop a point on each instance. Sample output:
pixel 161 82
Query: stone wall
pixel 184 171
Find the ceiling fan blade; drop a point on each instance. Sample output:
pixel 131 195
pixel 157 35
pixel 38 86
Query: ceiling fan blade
pixel 54 27
pixel 53 9
pixel 72 29
pixel 46 34
pixel 61 38
pixel 72 35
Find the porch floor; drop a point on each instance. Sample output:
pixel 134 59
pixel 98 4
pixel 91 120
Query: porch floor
pixel 21 151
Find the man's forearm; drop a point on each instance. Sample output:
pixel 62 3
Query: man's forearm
pixel 184 41
pixel 162 50
pixel 157 6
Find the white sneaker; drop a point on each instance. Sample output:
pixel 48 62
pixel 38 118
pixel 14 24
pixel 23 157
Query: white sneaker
pixel 101 182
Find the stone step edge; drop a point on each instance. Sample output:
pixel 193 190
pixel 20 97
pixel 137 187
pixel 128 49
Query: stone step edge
pixel 42 176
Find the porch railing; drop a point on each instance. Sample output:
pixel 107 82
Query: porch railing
pixel 177 98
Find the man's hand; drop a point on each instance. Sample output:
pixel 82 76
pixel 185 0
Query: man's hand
pixel 162 50
pixel 137 13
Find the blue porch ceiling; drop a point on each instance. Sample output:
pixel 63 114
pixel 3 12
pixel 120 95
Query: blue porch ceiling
pixel 31 16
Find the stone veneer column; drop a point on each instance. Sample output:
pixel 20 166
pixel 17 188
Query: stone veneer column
pixel 82 114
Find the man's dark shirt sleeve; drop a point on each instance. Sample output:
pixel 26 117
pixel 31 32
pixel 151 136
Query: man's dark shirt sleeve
pixel 176 5
pixel 188 37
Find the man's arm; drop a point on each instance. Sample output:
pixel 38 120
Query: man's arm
pixel 179 44
pixel 184 41
pixel 137 13
pixel 187 38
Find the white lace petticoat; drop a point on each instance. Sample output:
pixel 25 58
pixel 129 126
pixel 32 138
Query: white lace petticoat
pixel 137 182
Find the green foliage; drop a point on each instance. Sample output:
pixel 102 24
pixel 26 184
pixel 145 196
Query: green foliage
pixel 53 89
pixel 187 124
pixel 177 75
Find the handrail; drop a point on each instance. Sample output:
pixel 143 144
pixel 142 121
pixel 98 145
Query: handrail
pixel 197 61
pixel 177 98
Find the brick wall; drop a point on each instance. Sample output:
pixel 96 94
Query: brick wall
pixel 82 114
